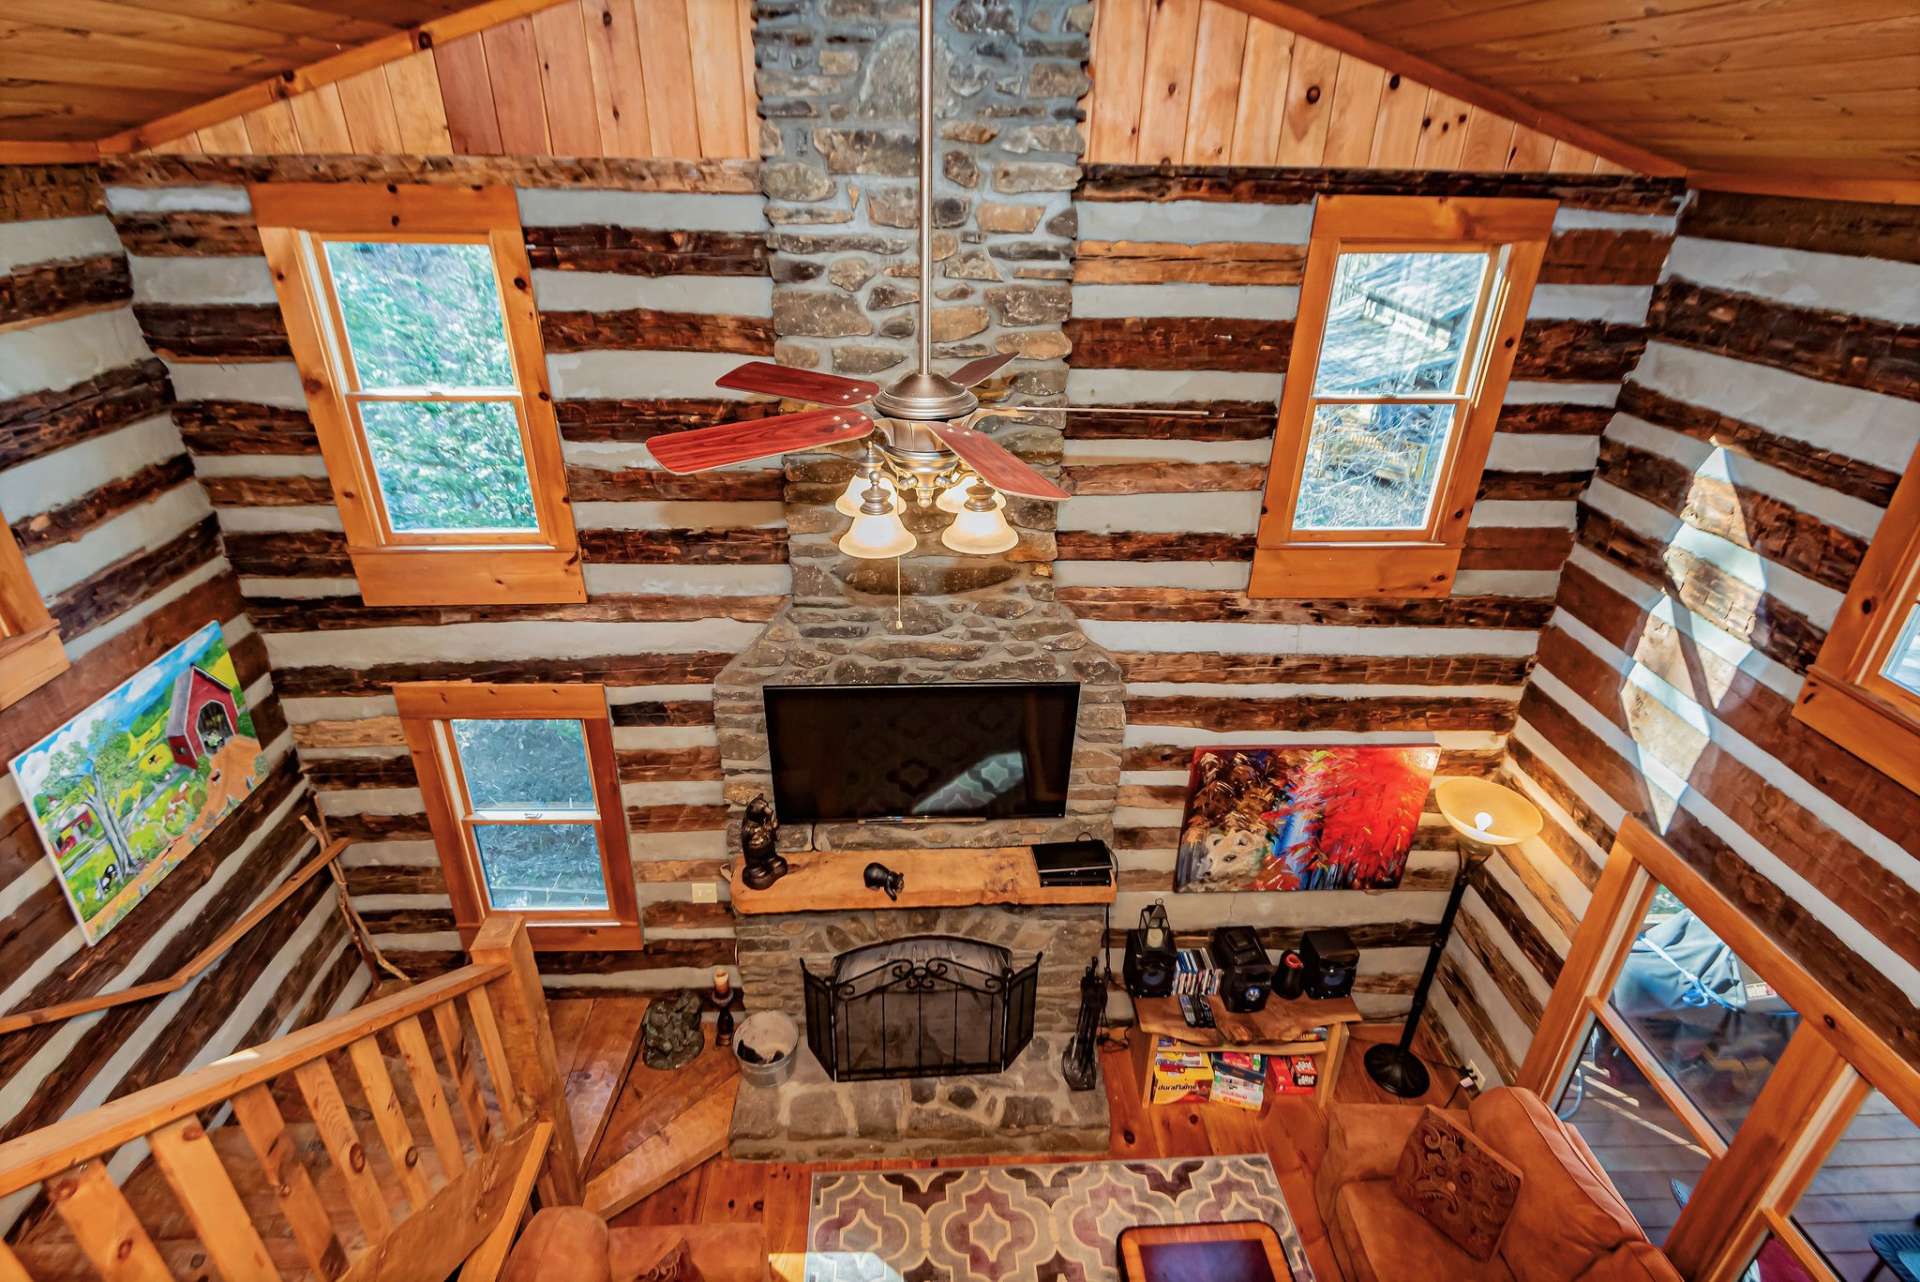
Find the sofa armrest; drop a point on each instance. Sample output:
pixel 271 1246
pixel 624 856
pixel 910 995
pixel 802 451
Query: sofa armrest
pixel 1363 1143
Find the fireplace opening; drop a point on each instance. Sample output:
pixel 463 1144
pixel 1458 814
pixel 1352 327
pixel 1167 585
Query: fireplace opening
pixel 925 1006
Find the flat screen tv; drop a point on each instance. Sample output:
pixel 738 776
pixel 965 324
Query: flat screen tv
pixel 934 752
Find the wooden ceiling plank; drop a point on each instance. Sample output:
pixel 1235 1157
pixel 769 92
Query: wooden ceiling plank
pixel 322 121
pixel 1443 138
pixel 1734 88
pixel 513 69
pixel 271 131
pixel 749 71
pixel 114 19
pixel 1489 140
pixel 272 15
pixel 368 106
pixel 1267 61
pixel 1311 86
pixel 1570 159
pixel 40 69
pixel 1396 134
pixel 472 124
pixel 1356 113
pixel 1722 24
pixel 1854 42
pixel 666 57
pixel 1530 152
pixel 228 138
pixel 108 50
pixel 1173 32
pixel 1472 91
pixel 1220 53
pixel 418 106
pixel 1532 18
pixel 720 106
pixel 1119 69
pixel 327 71
pixel 619 81
pixel 566 81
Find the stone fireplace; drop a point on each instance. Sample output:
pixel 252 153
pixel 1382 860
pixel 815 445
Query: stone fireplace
pixel 837 92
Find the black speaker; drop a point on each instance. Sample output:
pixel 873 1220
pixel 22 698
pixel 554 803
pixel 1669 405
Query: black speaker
pixel 1331 960
pixel 1245 975
pixel 1147 969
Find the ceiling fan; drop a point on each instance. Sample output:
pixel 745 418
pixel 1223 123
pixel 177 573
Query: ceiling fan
pixel 925 439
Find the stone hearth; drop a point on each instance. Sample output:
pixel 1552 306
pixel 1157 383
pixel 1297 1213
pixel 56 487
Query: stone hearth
pixel 1027 1109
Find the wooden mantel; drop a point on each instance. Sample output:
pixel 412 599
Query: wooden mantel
pixel 830 881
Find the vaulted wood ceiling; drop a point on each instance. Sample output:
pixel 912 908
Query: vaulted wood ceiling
pixel 84 69
pixel 1786 88
pixel 1779 89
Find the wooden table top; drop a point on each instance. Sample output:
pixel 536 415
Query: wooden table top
pixel 1281 1026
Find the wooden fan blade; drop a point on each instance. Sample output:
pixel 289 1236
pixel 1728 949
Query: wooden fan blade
pixel 974 373
pixel 798 384
pixel 996 467
pixel 705 448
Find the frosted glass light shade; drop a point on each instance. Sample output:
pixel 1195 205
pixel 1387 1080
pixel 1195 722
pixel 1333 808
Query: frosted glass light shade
pixel 979 533
pixel 1485 812
pixel 875 538
pixel 848 504
pixel 954 497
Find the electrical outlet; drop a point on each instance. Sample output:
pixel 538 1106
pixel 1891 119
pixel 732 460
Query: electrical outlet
pixel 1475 1079
pixel 705 892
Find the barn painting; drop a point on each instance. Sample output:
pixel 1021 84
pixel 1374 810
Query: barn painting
pixel 124 791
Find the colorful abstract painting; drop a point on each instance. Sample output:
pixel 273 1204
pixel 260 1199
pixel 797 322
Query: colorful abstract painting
pixel 1302 818
pixel 122 793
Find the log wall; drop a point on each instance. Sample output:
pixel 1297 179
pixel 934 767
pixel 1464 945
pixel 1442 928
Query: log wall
pixel 98 488
pixel 647 294
pixel 1185 287
pixel 1754 448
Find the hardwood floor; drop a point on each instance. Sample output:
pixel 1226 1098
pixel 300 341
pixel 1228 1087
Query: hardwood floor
pixel 774 1196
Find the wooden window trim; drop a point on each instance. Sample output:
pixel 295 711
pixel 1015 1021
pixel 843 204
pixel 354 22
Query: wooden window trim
pixel 31 653
pixel 1831 1062
pixel 1844 697
pixel 425 709
pixel 421 569
pixel 1398 563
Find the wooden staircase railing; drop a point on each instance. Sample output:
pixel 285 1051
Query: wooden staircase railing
pixel 320 1200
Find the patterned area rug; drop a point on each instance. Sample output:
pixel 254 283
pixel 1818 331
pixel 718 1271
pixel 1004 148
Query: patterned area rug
pixel 1054 1223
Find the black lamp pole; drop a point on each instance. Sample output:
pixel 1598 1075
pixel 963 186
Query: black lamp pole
pixel 1394 1067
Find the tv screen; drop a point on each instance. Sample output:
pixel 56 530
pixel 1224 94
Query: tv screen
pixel 948 752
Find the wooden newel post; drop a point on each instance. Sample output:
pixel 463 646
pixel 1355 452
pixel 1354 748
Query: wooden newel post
pixel 521 1009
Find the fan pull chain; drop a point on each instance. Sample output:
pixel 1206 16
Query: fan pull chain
pixel 899 619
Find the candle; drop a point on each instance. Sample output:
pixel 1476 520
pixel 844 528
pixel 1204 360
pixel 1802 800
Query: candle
pixel 722 983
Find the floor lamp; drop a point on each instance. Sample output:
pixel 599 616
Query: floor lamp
pixel 1485 815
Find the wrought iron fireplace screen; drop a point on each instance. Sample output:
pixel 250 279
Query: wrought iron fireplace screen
pixel 930 1005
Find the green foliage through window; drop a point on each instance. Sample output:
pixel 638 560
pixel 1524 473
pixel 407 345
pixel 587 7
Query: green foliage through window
pixel 450 465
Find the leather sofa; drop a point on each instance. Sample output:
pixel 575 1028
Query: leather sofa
pixel 1569 1225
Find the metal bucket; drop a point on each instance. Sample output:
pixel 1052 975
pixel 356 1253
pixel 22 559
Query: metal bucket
pixel 774 1027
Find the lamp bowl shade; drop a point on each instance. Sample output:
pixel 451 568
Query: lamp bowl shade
pixel 1483 811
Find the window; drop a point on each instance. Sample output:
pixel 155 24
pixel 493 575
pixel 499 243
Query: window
pixel 30 651
pixel 410 314
pixel 1754 1144
pixel 1864 690
pixel 524 798
pixel 1410 314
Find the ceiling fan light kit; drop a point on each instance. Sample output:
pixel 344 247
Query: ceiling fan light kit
pixel 981 528
pixel 877 532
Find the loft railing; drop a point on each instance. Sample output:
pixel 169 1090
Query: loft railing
pixel 450 1197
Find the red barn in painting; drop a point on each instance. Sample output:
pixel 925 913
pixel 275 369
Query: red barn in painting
pixel 204 716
